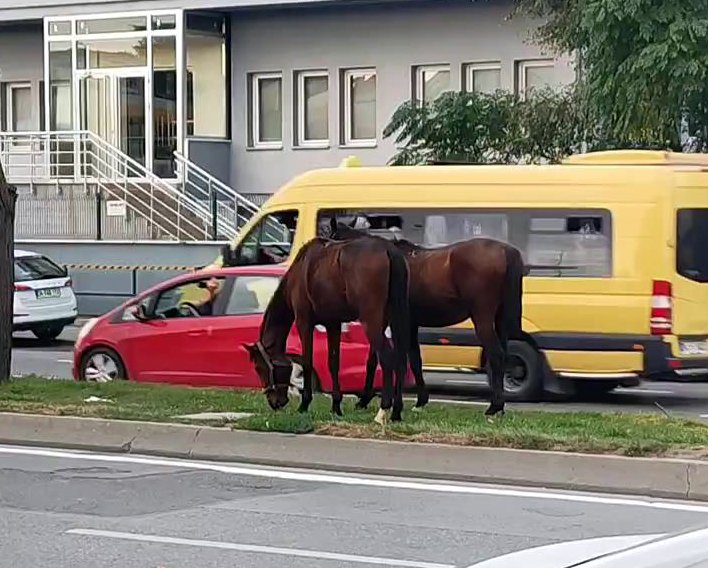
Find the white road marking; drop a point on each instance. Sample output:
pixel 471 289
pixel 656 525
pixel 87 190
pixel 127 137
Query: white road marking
pixel 64 361
pixel 316 554
pixel 431 485
pixel 474 382
pixel 703 416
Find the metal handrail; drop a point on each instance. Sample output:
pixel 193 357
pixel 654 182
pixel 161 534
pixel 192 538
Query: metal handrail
pixel 36 157
pixel 196 181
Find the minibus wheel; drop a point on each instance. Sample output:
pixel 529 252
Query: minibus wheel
pixel 523 375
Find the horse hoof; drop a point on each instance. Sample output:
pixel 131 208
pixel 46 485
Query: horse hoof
pixel 417 409
pixel 381 417
pixel 337 411
pixel 494 409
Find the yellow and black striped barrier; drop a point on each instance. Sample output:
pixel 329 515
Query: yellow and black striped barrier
pixel 133 267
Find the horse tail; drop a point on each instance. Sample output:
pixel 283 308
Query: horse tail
pixel 398 307
pixel 511 307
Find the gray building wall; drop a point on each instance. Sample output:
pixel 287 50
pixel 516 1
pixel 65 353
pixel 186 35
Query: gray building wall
pixel 22 61
pixel 392 38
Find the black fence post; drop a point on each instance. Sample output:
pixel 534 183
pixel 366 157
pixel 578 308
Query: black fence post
pixel 99 215
pixel 214 218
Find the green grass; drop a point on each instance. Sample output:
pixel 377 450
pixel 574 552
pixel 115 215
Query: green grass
pixel 622 434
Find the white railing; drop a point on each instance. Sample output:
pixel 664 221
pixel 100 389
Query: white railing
pixel 225 207
pixel 80 158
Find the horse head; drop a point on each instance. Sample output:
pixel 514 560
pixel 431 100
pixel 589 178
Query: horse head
pixel 274 373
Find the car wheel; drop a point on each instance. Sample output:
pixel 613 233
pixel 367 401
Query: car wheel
pixel 48 333
pixel 594 389
pixel 102 365
pixel 523 373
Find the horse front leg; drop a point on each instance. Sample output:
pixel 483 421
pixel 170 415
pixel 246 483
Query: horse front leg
pixel 368 394
pixel 305 330
pixel 334 334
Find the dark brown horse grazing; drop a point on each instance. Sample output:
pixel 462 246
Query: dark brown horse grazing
pixel 480 279
pixel 330 283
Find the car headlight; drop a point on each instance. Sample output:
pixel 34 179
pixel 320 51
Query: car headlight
pixel 85 329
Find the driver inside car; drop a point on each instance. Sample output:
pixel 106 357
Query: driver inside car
pixel 206 306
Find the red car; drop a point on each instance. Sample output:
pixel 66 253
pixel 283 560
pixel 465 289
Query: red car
pixel 194 331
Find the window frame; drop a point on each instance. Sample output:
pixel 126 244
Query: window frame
pixel 254 107
pixel 525 64
pixel 419 81
pixel 470 68
pixel 347 76
pixel 10 105
pixel 301 109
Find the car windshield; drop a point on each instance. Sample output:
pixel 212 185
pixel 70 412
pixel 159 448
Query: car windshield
pixel 36 268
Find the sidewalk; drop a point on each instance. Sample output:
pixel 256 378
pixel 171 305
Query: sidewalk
pixel 666 478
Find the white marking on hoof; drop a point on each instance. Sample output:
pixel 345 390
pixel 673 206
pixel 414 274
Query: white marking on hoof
pixel 381 417
pixel 417 409
pixel 297 378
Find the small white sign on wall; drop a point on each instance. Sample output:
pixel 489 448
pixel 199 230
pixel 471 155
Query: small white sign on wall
pixel 116 208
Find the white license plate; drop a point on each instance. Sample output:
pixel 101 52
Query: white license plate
pixel 693 347
pixel 48 293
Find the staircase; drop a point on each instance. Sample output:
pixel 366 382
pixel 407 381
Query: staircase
pixel 74 165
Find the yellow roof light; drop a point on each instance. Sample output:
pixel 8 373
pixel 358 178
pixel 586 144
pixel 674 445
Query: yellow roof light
pixel 350 162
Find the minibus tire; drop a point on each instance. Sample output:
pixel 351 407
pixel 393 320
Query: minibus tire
pixel 522 353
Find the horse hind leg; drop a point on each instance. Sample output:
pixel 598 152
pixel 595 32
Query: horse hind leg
pixel 334 333
pixel 416 363
pixel 366 397
pixel 495 359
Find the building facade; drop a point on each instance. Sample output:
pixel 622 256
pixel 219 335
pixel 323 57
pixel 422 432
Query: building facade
pixel 254 91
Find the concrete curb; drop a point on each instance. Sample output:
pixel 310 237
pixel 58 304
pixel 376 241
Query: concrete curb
pixel 667 478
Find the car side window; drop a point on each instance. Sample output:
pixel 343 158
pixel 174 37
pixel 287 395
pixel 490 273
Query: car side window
pixel 129 312
pixel 251 294
pixel 270 240
pixel 196 298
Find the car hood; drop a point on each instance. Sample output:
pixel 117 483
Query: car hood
pixel 564 554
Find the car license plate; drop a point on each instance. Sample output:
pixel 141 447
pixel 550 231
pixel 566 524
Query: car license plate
pixel 46 293
pixel 693 347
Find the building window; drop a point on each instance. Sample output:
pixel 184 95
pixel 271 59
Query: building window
pixel 19 107
pixel 359 107
pixel 266 110
pixel 482 77
pixel 312 108
pixel 536 74
pixel 431 81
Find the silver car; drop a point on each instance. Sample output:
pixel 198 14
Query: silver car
pixel 685 549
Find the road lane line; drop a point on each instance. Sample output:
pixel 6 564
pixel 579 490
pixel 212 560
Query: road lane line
pixel 432 485
pixel 630 390
pixel 64 361
pixel 252 548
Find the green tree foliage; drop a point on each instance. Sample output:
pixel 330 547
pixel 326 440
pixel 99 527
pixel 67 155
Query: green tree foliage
pixel 497 128
pixel 644 65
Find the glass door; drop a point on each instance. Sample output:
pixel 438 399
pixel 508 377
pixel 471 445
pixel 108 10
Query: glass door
pixel 132 115
pixel 114 106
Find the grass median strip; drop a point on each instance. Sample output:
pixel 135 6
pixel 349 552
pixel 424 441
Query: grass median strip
pixel 622 434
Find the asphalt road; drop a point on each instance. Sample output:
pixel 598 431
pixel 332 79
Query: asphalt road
pixel 69 509
pixel 688 399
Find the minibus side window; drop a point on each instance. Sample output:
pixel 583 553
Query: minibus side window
pixel 270 240
pixel 691 249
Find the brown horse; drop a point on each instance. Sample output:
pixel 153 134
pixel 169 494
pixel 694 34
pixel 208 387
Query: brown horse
pixel 330 283
pixel 480 279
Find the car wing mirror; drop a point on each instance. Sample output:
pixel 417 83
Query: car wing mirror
pixel 139 313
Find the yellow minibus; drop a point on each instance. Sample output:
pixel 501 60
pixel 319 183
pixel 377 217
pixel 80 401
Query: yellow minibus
pixel 616 242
